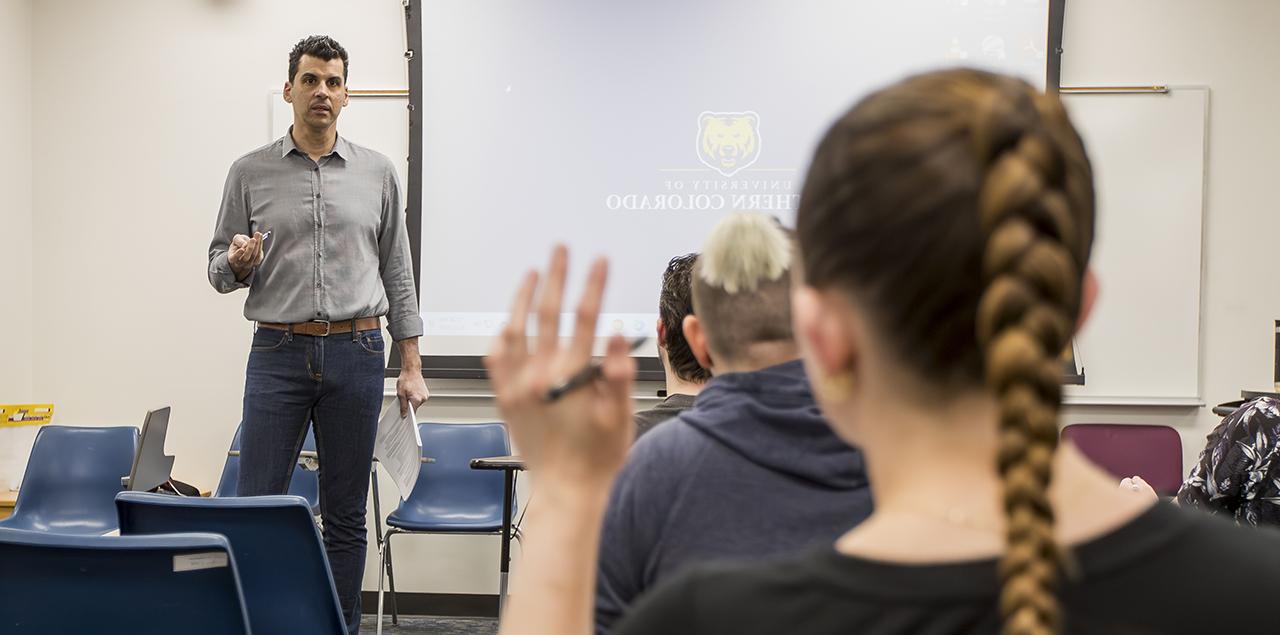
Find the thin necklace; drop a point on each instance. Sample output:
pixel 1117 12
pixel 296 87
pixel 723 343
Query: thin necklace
pixel 954 516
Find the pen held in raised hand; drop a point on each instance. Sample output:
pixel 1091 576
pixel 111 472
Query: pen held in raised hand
pixel 589 373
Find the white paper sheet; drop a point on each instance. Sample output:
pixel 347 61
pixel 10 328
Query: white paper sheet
pixel 399 448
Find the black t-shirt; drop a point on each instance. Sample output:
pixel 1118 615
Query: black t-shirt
pixel 1169 570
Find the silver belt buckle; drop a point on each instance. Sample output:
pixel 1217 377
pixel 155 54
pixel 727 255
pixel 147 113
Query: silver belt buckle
pixel 328 326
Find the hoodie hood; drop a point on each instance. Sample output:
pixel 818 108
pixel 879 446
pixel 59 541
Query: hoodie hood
pixel 770 418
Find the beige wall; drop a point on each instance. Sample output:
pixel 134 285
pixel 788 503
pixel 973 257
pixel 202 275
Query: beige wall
pixel 1230 47
pixel 17 315
pixel 139 107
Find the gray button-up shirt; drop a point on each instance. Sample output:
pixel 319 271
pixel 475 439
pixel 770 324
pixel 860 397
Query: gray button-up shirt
pixel 338 247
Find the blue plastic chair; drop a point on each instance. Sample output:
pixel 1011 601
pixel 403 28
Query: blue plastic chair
pixel 283 567
pixel 62 583
pixel 72 477
pixel 304 483
pixel 449 497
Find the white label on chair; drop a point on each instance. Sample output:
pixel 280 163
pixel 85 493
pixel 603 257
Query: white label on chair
pixel 198 561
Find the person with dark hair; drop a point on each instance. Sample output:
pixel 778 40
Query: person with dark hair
pixel 944 231
pixel 752 470
pixel 685 376
pixel 312 225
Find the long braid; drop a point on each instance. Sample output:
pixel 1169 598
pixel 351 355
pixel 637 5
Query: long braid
pixel 888 215
pixel 1032 264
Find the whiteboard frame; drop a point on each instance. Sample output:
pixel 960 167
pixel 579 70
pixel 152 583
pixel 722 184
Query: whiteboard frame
pixel 1071 394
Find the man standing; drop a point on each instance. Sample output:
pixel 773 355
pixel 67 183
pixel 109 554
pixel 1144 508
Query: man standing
pixel 685 376
pixel 312 225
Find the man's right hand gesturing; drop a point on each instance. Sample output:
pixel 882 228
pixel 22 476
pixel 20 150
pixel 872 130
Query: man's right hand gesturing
pixel 244 254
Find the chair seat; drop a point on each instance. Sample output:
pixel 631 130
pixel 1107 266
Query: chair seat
pixel 65 524
pixel 479 519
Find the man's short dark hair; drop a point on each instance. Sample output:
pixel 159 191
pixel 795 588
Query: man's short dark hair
pixel 674 304
pixel 319 46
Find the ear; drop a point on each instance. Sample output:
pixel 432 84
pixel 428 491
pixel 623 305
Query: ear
pixel 1088 295
pixel 288 92
pixel 662 334
pixel 821 332
pixel 697 338
pixel 705 118
pixel 346 95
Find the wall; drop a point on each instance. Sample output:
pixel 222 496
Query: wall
pixel 17 317
pixel 1229 47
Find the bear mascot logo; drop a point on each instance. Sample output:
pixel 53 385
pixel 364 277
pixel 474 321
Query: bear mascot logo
pixel 728 141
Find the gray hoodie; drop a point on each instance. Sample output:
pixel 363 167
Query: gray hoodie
pixel 751 471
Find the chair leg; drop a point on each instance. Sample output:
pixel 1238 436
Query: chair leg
pixel 502 592
pixel 391 578
pixel 382 571
pixel 518 536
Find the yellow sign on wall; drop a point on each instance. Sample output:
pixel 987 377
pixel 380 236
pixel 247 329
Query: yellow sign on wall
pixel 25 415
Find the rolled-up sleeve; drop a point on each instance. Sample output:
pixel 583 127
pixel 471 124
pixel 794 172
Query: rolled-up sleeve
pixel 395 264
pixel 233 218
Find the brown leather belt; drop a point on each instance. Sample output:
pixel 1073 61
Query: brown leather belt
pixel 324 328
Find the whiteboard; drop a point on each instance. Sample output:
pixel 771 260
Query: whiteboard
pixel 378 123
pixel 1148 152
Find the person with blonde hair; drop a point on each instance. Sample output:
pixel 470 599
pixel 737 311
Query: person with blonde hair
pixel 944 233
pixel 752 470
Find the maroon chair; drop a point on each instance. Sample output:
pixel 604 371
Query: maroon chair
pixel 1152 452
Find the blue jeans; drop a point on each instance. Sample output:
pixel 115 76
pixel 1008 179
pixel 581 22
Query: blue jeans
pixel 335 384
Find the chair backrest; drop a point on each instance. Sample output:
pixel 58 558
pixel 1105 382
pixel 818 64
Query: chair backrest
pixel 72 477
pixel 283 567
pixel 303 483
pixel 230 469
pixel 1152 452
pixel 62 583
pixel 448 482
pixel 151 466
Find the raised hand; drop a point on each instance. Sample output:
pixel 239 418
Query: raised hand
pixel 584 435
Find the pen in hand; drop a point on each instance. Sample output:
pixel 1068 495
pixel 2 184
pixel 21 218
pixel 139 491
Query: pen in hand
pixel 588 374
pixel 265 248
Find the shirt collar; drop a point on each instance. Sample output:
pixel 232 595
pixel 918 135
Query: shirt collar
pixel 340 146
pixel 287 143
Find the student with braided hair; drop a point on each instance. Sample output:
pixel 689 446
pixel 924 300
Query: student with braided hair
pixel 944 233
